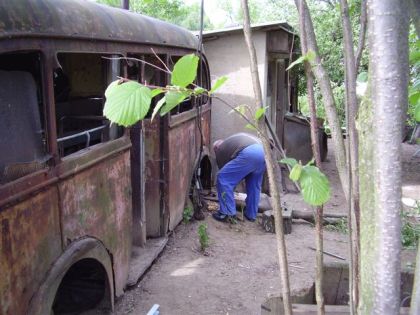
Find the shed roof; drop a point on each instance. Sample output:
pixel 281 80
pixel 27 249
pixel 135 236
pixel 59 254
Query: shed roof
pixel 88 20
pixel 270 26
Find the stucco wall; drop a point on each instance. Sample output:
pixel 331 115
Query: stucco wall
pixel 228 55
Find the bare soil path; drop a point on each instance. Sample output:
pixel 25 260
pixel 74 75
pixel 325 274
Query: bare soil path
pixel 241 268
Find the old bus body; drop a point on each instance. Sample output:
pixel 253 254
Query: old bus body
pixel 76 192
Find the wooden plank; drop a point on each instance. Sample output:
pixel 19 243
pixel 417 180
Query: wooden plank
pixel 311 309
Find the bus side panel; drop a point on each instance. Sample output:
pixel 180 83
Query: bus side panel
pixel 182 151
pixel 97 202
pixel 29 243
pixel 205 129
pixel 184 146
pixel 153 197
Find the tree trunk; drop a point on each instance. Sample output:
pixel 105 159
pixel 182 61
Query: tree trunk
pixel 415 296
pixel 323 80
pixel 380 156
pixel 271 167
pixel 352 155
pixel 362 35
pixel 315 149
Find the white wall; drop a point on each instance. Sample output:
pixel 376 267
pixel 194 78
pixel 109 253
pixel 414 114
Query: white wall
pixel 228 55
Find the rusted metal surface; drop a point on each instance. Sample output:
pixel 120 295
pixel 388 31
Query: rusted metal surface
pixel 49 108
pixel 153 177
pixel 85 248
pixel 88 20
pixel 137 184
pixel 30 242
pixel 88 193
pixel 184 142
pixel 97 202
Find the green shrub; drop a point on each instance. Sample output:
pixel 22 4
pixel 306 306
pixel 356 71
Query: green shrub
pixel 187 215
pixel 203 236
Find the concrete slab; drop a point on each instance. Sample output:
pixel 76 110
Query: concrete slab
pixel 143 257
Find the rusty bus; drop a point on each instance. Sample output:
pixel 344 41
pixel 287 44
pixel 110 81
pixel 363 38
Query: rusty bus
pixel 78 194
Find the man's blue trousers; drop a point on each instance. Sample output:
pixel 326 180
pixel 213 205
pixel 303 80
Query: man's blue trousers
pixel 248 164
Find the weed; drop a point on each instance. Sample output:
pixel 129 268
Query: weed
pixel 410 231
pixel 203 236
pixel 187 215
pixel 339 226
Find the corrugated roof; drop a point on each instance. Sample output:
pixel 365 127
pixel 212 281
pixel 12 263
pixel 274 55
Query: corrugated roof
pixel 89 20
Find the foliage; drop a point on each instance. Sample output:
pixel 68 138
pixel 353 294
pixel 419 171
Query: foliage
pixel 137 98
pixel 173 11
pixel 414 86
pixel 410 230
pixel 339 226
pixel 203 236
pixel 329 32
pixel 314 184
pixel 187 215
pixel 309 56
pixel 128 102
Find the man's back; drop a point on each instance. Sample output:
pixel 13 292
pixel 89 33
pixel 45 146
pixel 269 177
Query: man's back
pixel 232 145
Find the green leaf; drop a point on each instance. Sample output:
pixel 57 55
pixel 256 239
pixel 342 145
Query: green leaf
pixel 199 90
pixel 158 107
pixel 413 98
pixel 295 172
pixel 172 99
pixel 260 112
pixel 417 113
pixel 362 77
pixel 311 162
pixel 250 127
pixel 185 70
pixel 126 103
pixel 315 186
pixel 414 57
pixel 289 161
pixel 156 92
pixel 219 82
pixel 301 59
pixel 309 56
pixel 241 109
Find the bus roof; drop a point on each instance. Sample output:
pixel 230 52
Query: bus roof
pixel 87 19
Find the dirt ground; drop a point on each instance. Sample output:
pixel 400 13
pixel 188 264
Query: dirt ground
pixel 240 269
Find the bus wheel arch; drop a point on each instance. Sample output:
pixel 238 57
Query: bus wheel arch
pixel 85 251
pixel 203 172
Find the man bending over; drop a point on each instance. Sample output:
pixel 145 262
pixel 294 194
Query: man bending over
pixel 240 156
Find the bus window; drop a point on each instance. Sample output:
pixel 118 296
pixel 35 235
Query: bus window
pixel 22 127
pixel 146 74
pixel 79 88
pixel 188 103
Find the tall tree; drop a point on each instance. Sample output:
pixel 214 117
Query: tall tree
pixel 271 165
pixel 352 153
pixel 324 83
pixel 380 156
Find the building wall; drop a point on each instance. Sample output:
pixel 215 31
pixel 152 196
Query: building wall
pixel 228 55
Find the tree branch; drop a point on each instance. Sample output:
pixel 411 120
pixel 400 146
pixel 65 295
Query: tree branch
pixel 362 34
pixel 271 167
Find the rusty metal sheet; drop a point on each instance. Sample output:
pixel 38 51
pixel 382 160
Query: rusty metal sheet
pixel 97 202
pixel 30 242
pixel 184 143
pixel 153 175
pixel 87 19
